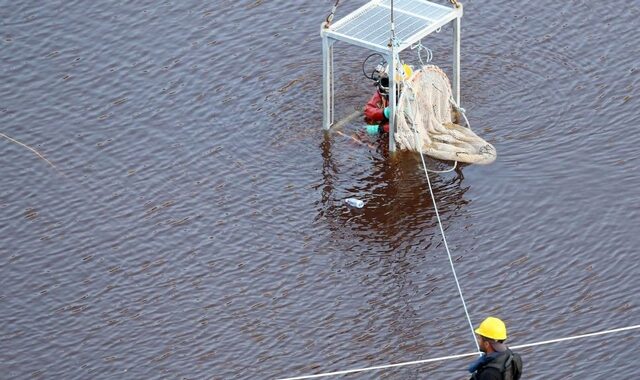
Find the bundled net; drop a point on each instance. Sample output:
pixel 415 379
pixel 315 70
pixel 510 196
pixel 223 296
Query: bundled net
pixel 425 104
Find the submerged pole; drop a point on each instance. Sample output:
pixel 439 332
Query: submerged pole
pixel 392 86
pixel 392 102
pixel 327 82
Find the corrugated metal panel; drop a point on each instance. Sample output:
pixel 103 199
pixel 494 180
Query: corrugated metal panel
pixel 370 25
pixel 422 8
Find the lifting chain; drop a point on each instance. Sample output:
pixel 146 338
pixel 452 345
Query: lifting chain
pixel 329 19
pixel 455 3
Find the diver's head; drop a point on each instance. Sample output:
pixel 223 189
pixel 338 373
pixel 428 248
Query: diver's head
pixel 383 85
pixel 404 73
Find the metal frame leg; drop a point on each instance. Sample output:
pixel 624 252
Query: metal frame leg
pixel 327 82
pixel 456 60
pixel 392 102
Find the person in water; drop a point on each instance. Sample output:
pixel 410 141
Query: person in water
pixel 498 362
pixel 376 112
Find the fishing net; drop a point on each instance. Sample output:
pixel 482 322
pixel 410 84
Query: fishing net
pixel 425 104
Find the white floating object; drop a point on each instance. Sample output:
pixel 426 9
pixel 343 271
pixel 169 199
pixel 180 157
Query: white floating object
pixel 353 202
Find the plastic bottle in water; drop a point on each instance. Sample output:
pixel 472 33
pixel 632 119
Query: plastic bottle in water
pixel 353 202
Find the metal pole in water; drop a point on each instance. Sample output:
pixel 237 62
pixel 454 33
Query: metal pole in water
pixel 327 82
pixel 392 86
pixel 456 57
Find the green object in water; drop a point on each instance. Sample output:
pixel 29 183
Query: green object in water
pixel 373 129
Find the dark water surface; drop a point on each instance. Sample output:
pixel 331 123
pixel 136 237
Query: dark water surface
pixel 196 226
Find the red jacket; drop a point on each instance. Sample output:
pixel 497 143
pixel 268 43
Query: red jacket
pixel 374 111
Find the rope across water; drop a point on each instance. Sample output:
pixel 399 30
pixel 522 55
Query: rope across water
pixel 435 207
pixel 458 356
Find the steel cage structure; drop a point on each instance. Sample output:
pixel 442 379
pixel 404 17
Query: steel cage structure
pixel 370 27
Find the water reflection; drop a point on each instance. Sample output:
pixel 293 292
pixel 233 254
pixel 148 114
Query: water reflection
pixel 390 250
pixel 395 190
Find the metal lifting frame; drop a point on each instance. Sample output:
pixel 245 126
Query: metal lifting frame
pixel 369 27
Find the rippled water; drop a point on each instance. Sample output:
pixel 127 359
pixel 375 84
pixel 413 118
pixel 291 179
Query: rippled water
pixel 194 226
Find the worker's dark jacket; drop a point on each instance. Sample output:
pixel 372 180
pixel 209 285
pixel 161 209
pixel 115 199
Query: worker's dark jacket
pixel 505 365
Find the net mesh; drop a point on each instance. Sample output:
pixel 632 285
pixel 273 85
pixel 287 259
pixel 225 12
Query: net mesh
pixel 425 106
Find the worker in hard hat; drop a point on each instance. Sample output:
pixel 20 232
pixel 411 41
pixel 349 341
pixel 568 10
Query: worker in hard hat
pixel 498 362
pixel 377 111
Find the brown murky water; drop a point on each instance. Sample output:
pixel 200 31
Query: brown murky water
pixel 198 228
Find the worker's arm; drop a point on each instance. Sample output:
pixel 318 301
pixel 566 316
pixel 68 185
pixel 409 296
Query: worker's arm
pixel 374 110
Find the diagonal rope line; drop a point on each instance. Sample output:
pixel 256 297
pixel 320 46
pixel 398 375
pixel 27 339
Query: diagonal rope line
pixel 446 245
pixel 458 356
pixel 435 207
pixel 28 147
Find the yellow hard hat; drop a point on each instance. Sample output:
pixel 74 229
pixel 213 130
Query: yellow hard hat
pixel 492 328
